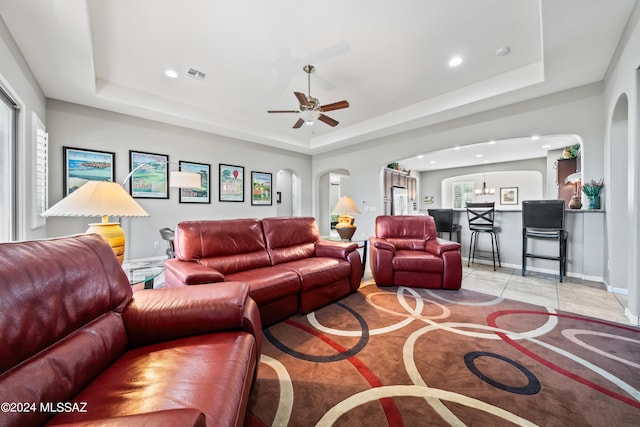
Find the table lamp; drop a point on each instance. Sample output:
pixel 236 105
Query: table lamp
pixel 345 227
pixel 101 199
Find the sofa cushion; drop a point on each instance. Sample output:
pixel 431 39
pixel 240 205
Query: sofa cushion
pixel 269 283
pixel 416 227
pixel 214 378
pixel 226 245
pixel 417 261
pixel 290 238
pixel 60 298
pixel 317 272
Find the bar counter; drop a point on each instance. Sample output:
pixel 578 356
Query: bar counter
pixel 585 243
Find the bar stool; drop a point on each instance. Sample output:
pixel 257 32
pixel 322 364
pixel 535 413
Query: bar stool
pixel 544 219
pixel 444 222
pixel 167 234
pixel 481 220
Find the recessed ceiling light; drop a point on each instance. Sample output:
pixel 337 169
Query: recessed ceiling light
pixel 535 137
pixel 457 147
pixel 486 161
pixel 171 74
pixel 433 162
pixel 478 155
pixel 492 142
pixel 546 146
pixel 420 156
pixel 455 61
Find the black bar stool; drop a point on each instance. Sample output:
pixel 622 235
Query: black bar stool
pixel 544 219
pixel 481 220
pixel 444 222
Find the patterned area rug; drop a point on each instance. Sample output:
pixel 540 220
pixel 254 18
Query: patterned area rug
pixel 413 357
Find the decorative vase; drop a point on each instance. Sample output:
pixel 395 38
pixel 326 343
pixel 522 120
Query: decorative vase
pixel 594 202
pixel 575 203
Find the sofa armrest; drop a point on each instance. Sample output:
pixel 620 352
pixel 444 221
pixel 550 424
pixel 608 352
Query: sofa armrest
pixel 382 244
pixel 180 273
pixel 156 315
pixel 187 417
pixel 334 249
pixel 439 246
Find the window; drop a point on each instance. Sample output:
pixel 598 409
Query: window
pixel 462 193
pixel 8 116
pixel 40 191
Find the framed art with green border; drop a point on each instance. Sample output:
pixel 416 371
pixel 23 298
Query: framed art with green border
pixel 150 179
pixel 201 194
pixel 231 183
pixel 260 188
pixel 82 165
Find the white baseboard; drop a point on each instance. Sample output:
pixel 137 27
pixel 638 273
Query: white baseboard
pixel 540 270
pixel 633 319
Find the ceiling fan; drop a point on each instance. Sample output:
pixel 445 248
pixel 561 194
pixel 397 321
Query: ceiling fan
pixel 310 108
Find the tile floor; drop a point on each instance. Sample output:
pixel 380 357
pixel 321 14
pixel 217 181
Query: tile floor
pixel 572 295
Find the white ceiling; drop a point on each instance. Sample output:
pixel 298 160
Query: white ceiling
pixel 388 59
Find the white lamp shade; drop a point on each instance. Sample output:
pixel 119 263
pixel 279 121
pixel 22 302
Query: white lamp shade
pixel 345 205
pixel 182 179
pixel 97 198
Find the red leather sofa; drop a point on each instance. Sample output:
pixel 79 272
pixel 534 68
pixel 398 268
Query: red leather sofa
pixel 79 348
pixel 407 252
pixel 288 268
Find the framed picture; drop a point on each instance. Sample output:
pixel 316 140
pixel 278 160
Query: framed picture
pixel 150 177
pixel 231 183
pixel 196 195
pixel 509 196
pixel 82 165
pixel 260 188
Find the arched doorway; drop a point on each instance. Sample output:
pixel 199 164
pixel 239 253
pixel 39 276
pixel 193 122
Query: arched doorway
pixel 331 186
pixel 287 193
pixel 616 198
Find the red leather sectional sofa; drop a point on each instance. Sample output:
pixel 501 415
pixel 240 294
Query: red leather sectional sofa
pixel 79 348
pixel 284 262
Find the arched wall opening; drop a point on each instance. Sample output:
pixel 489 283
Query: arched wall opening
pixel 288 196
pixel 332 184
pixel 618 199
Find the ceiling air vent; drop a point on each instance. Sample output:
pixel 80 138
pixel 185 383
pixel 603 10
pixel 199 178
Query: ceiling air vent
pixel 196 74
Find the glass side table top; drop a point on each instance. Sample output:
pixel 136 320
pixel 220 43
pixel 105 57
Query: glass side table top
pixel 145 271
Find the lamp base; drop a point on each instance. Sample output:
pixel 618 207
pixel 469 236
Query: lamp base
pixel 113 234
pixel 345 227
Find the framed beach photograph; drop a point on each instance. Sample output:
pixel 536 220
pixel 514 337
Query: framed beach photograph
pixel 81 165
pixel 260 188
pixel 201 194
pixel 150 179
pixel 231 183
pixel 509 196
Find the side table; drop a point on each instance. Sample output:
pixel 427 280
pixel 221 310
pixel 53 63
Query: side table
pixel 143 271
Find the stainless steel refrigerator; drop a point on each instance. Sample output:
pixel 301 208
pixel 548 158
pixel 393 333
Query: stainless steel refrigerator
pixel 400 203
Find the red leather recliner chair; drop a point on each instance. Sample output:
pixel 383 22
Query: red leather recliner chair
pixel 407 252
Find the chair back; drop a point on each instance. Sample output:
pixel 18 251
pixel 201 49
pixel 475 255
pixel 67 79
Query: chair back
pixel 480 216
pixel 167 234
pixel 443 219
pixel 543 214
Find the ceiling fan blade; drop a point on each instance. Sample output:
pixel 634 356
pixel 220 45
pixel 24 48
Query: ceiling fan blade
pixel 302 99
pixel 335 106
pixel 328 120
pixel 283 111
pixel 298 124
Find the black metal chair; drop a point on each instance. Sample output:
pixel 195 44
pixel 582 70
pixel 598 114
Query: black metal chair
pixel 167 234
pixel 444 222
pixel 481 220
pixel 544 219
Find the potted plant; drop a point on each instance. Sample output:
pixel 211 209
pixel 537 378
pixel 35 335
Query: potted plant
pixel 592 189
